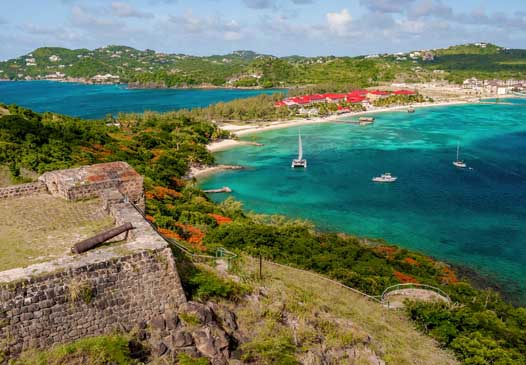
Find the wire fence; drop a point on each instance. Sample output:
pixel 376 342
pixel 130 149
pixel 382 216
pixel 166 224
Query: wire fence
pixel 228 256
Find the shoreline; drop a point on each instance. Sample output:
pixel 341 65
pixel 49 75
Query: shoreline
pixel 244 130
pixel 198 172
pixel 133 87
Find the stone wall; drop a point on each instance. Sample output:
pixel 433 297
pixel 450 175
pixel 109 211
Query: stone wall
pixel 17 191
pixel 89 300
pixel 88 182
pixel 116 286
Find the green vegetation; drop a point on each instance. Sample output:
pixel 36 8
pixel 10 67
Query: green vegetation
pixel 101 350
pixel 248 69
pixel 203 284
pixel 162 146
pixel 484 330
pixel 400 100
pixel 257 108
pixel 185 359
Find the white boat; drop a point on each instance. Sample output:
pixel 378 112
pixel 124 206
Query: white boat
pixel 365 120
pixel 385 178
pixel 459 163
pixel 410 109
pixel 300 161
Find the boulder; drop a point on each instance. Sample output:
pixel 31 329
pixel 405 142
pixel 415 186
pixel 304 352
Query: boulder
pixel 204 342
pixel 202 312
pixel 182 339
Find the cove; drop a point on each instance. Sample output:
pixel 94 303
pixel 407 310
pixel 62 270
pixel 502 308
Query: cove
pixel 474 217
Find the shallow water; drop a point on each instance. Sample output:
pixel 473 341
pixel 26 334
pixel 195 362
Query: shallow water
pixel 474 217
pixel 96 101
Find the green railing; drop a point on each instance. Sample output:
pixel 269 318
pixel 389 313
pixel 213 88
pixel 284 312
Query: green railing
pixel 396 287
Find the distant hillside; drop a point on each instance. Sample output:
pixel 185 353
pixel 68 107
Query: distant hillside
pixel 246 68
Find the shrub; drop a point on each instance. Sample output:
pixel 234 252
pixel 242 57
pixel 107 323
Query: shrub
pixel 101 350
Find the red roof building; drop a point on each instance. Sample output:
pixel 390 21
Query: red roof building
pixel 404 92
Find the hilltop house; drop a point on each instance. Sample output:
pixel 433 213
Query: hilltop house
pixel 428 56
pixel 54 58
pixel 105 79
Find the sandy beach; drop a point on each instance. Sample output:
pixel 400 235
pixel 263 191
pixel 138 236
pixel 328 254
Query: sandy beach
pixel 242 130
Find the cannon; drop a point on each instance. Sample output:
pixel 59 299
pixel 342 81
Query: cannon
pixel 90 243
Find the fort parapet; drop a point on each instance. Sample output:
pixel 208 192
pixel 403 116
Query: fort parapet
pixel 88 182
pixel 117 286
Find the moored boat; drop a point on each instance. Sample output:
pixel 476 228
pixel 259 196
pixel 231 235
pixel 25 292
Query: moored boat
pixel 366 120
pixel 385 178
pixel 459 163
pixel 300 161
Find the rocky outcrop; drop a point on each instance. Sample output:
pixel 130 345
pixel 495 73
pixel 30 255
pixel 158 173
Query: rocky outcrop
pixel 197 330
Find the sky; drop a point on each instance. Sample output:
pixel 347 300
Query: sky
pixel 278 27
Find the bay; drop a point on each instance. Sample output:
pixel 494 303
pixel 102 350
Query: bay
pixel 475 217
pixel 96 101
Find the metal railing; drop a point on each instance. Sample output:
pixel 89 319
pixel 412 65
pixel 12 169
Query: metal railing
pixel 356 291
pixel 396 287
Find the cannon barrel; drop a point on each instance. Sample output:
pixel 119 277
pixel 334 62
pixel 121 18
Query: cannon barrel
pixel 89 243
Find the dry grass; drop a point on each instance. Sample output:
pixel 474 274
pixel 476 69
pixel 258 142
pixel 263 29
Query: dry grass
pixel 39 228
pixel 322 317
pixel 6 180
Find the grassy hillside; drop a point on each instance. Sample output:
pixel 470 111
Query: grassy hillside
pixel 289 317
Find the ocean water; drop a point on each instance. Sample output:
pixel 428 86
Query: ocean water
pixel 96 101
pixel 474 217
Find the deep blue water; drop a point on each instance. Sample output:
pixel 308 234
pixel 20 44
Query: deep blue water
pixel 474 217
pixel 96 101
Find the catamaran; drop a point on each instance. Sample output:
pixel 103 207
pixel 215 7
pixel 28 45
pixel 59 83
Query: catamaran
pixel 385 178
pixel 300 161
pixel 459 163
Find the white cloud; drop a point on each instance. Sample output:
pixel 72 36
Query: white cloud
pixel 339 23
pixel 125 10
pixel 386 6
pixel 213 26
pixel 91 18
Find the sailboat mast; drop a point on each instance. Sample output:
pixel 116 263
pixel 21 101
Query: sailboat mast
pixel 458 149
pixel 300 147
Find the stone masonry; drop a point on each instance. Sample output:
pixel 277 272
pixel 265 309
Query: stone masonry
pixel 90 300
pixel 89 181
pixel 17 191
pixel 117 286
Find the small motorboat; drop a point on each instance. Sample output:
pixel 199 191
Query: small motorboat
pixel 365 120
pixel 410 109
pixel 385 178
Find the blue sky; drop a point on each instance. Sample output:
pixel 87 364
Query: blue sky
pixel 279 27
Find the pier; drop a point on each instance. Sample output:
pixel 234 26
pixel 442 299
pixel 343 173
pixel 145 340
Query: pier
pixel 224 189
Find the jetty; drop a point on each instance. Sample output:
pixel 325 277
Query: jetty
pixel 360 121
pixel 224 189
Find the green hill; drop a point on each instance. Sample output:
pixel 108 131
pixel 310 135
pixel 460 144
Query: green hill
pixel 250 69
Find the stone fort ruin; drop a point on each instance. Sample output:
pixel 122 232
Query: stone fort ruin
pixel 49 295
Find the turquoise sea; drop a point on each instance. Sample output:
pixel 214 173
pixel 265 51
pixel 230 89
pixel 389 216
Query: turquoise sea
pixel 96 101
pixel 474 217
